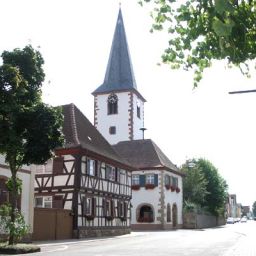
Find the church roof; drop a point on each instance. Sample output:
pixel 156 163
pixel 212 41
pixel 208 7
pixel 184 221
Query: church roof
pixel 145 154
pixel 80 133
pixel 119 74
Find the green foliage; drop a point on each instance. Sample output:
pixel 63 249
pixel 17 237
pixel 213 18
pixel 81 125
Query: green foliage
pixel 190 207
pixel 29 129
pixel 194 183
pixel 203 31
pixel 254 209
pixel 204 187
pixel 216 187
pixel 11 186
pixel 16 228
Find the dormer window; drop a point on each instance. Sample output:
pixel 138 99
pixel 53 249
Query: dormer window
pixel 138 109
pixel 112 104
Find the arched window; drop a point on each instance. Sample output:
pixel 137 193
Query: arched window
pixel 146 214
pixel 112 104
pixel 169 213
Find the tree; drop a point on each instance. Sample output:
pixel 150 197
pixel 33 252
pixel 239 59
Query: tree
pixel 29 129
pixel 216 187
pixel 205 30
pixel 254 209
pixel 203 186
pixel 194 183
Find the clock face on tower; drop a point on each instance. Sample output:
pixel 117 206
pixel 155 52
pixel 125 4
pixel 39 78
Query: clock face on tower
pixel 112 98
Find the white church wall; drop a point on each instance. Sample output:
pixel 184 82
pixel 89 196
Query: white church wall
pixel 120 120
pixel 138 123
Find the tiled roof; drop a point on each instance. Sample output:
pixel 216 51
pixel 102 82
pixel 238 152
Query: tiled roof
pixel 119 74
pixel 144 154
pixel 79 132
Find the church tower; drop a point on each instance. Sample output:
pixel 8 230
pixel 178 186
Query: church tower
pixel 118 106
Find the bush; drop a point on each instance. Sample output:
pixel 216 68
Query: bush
pixel 18 228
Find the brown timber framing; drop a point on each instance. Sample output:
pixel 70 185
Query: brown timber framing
pixel 77 183
pixel 85 152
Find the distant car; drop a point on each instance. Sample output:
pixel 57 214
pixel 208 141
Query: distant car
pixel 237 220
pixel 244 219
pixel 230 220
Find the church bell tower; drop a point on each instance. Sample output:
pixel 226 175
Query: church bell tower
pixel 118 105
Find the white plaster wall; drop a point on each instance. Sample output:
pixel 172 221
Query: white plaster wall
pixel 27 191
pixel 174 197
pixel 146 196
pixel 2 159
pixel 138 123
pixel 120 120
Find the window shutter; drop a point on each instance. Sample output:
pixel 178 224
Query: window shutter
pixel 156 180
pixel 112 208
pixel 118 209
pixel 93 206
pixel 83 205
pixel 104 207
pixel 57 202
pixel 142 180
pixel 58 164
pixel 96 167
pixel 125 209
pixel 88 166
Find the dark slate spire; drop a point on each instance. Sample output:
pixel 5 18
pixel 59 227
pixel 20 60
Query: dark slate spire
pixel 119 74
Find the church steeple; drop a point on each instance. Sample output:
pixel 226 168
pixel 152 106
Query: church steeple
pixel 119 74
pixel 118 106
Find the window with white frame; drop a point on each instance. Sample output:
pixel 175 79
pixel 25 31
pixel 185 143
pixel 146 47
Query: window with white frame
pixel 109 208
pixel 150 179
pixel 43 201
pixel 88 206
pixel 122 209
pixel 91 167
pixel 110 173
pixel 135 179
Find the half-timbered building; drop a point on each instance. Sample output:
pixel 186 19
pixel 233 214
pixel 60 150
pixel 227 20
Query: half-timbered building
pixel 88 178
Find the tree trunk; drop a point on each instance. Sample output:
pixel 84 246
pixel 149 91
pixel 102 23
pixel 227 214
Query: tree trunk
pixel 13 201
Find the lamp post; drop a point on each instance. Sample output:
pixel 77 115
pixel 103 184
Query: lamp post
pixel 143 129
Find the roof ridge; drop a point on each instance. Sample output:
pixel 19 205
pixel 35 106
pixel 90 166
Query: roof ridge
pixel 73 123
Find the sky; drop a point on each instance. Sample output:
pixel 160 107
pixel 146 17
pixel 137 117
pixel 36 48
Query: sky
pixel 75 36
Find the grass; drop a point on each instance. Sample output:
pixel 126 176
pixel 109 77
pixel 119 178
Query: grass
pixel 18 248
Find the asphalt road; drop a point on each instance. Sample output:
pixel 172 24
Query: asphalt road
pixel 229 240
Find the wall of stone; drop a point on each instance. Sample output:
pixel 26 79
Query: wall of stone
pixel 101 232
pixel 199 221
